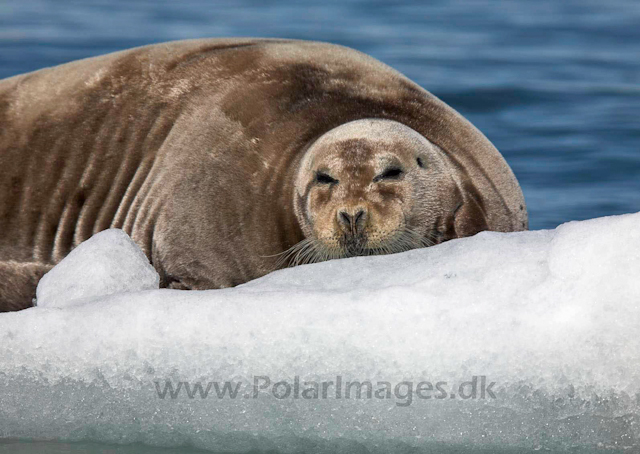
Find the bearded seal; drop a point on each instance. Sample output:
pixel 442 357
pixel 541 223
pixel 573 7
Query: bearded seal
pixel 225 159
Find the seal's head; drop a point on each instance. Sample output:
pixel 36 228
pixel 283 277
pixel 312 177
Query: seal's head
pixel 373 187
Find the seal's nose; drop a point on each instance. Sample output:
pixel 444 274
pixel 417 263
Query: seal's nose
pixel 352 221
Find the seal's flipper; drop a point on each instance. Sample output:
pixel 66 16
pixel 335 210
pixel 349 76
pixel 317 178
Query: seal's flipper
pixel 470 218
pixel 18 282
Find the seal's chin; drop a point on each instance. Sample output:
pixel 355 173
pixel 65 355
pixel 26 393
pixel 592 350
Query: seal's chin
pixel 363 244
pixel 354 245
pixel 338 246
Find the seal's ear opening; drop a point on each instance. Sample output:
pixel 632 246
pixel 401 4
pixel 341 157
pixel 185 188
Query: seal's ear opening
pixel 469 217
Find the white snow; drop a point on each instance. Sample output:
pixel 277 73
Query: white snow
pixel 552 317
pixel 107 263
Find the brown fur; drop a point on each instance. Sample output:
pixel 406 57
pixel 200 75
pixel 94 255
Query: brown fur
pixel 19 281
pixel 192 148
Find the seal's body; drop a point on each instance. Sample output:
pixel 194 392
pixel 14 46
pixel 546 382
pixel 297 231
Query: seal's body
pixel 204 152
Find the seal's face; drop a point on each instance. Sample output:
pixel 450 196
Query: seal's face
pixel 370 187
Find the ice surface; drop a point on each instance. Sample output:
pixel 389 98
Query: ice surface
pixel 552 317
pixel 107 263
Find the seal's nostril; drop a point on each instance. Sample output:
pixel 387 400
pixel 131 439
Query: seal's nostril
pixel 345 219
pixel 352 223
pixel 359 221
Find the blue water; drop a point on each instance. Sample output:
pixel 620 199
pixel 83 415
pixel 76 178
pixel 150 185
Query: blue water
pixel 554 84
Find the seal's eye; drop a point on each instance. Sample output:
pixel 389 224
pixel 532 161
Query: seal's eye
pixel 391 173
pixel 420 163
pixel 323 178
